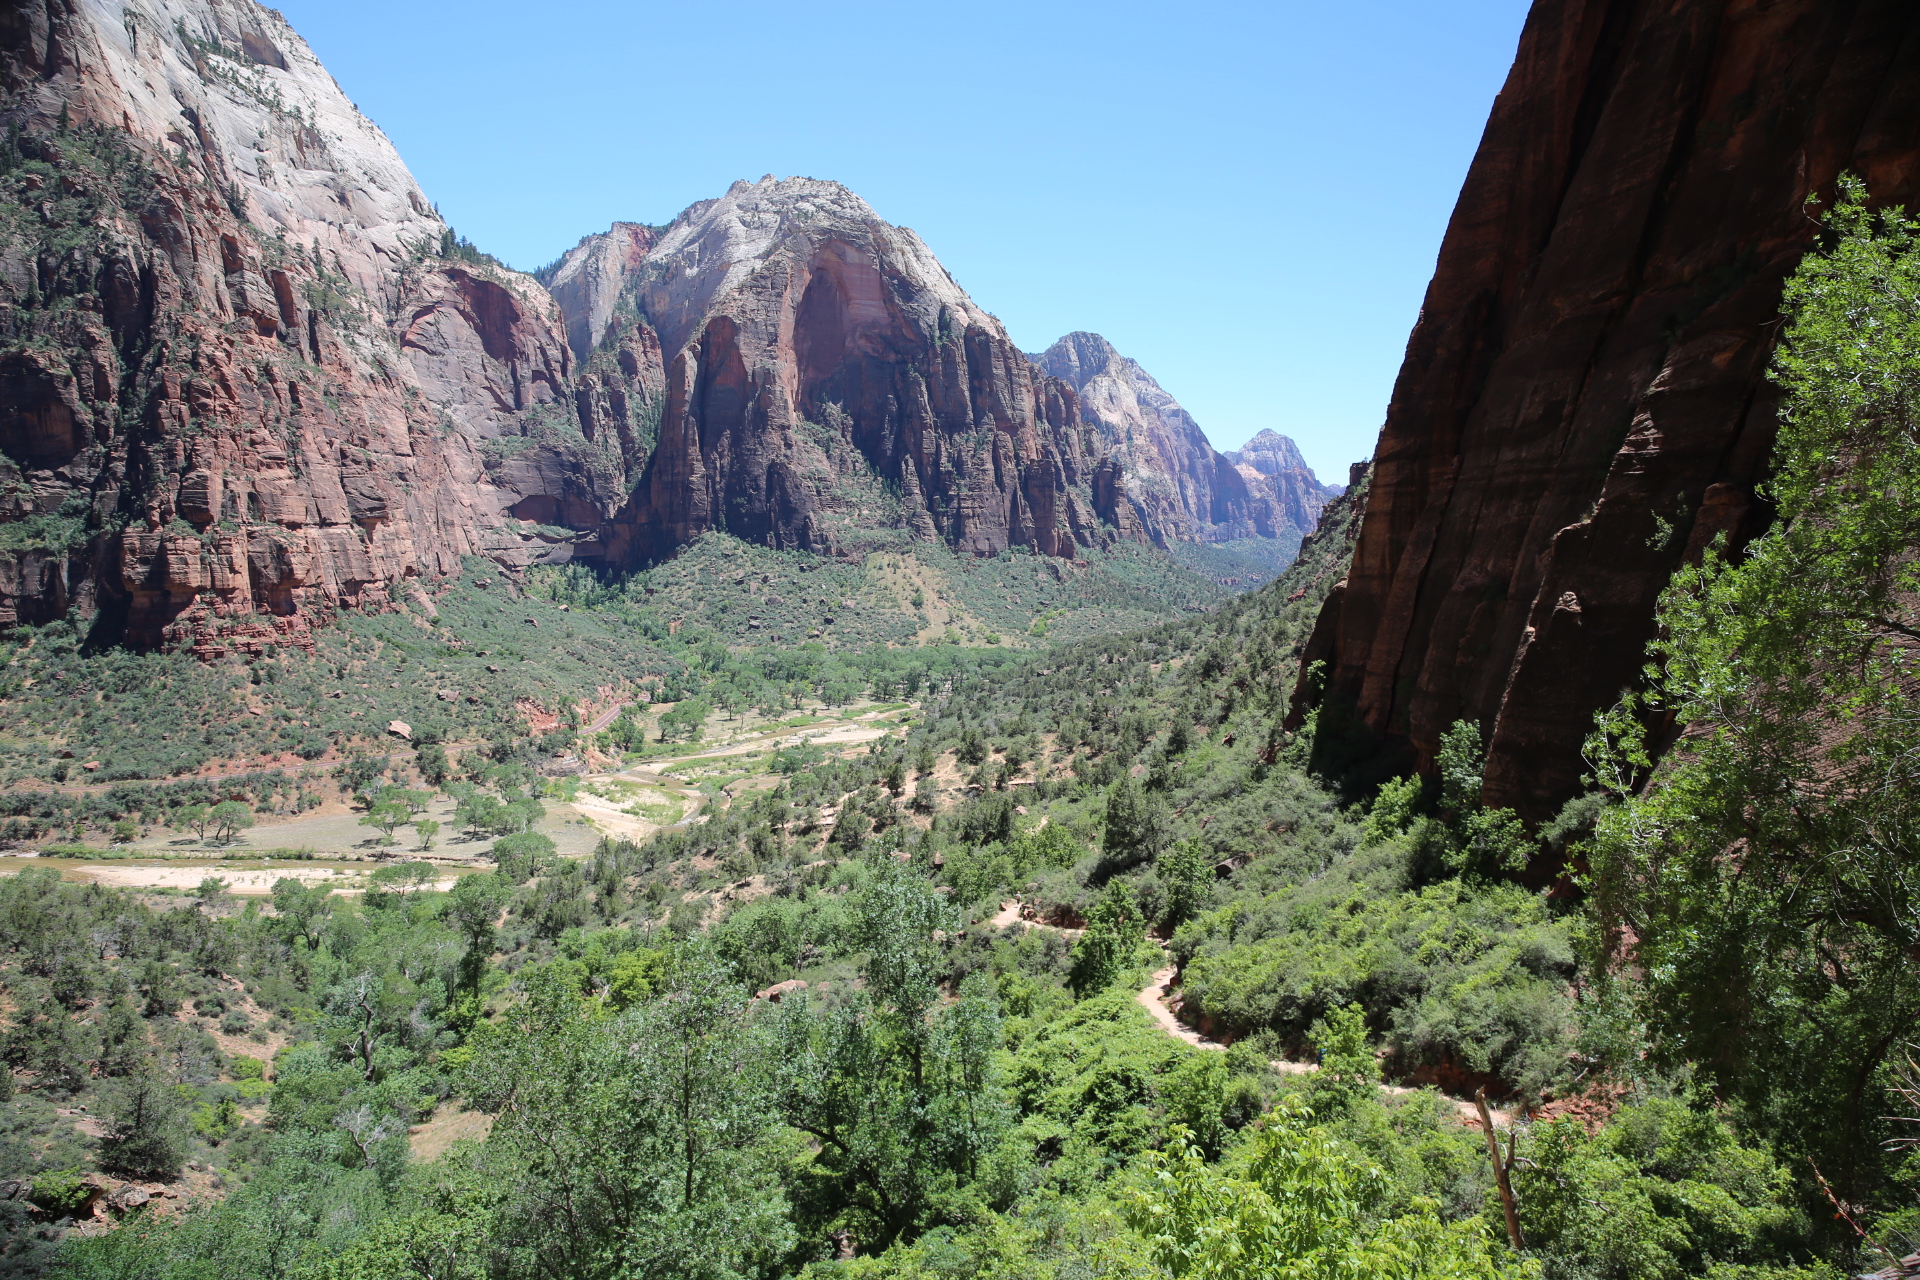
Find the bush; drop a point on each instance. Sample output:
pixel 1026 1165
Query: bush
pixel 61 1192
pixel 1461 979
pixel 1661 1191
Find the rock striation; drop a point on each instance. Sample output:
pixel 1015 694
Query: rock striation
pixel 824 375
pixel 1181 489
pixel 1584 402
pixel 247 374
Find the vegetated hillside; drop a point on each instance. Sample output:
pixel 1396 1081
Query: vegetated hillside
pixel 919 1084
pixel 910 593
pixel 1585 401
pixel 486 660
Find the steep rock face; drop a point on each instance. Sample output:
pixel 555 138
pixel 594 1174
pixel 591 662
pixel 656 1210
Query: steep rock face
pixel 246 374
pixel 1182 489
pixel 588 282
pixel 1272 467
pixel 1584 403
pixel 822 372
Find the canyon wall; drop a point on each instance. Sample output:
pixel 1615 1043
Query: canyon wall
pixel 825 378
pixel 247 375
pixel 1584 401
pixel 1180 487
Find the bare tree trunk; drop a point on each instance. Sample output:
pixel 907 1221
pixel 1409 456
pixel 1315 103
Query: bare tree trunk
pixel 1500 1171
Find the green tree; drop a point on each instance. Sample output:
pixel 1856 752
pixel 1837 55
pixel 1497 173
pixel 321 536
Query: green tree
pixel 1186 873
pixel 229 818
pixel 357 773
pixel 637 1144
pixel 1104 953
pixel 686 721
pixel 1486 843
pixel 431 760
pixel 302 910
pixel 472 907
pixel 519 858
pixel 193 817
pixel 146 1126
pixel 1662 1191
pixel 1305 1205
pixel 1348 1073
pixel 385 817
pixel 1135 827
pixel 425 829
pixel 899 1092
pixel 1789 675
pixel 478 812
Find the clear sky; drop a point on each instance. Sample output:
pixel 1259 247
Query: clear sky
pixel 1244 197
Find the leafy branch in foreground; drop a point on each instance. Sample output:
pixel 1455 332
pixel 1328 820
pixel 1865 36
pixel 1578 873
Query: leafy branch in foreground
pixel 1762 886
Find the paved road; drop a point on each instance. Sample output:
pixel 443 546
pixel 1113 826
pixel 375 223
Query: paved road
pixel 606 717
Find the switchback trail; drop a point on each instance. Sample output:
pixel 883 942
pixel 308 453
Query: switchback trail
pixel 1153 998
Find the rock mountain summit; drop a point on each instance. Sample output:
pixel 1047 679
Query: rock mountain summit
pixel 250 376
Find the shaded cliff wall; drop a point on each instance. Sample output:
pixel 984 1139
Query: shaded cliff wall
pixel 1584 401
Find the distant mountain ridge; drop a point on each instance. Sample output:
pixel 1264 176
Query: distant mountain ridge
pixel 1183 489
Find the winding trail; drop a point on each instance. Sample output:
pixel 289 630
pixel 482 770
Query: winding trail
pixel 1153 998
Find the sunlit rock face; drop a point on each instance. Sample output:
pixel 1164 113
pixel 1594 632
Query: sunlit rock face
pixel 1183 490
pixel 247 379
pixel 806 344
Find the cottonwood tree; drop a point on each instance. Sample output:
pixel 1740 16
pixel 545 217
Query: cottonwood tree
pixel 636 1144
pixel 1758 895
pixel 901 1098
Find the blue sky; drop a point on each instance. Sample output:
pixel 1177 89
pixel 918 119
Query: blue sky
pixel 1246 198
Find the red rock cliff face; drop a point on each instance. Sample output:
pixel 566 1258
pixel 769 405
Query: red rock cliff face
pixel 823 374
pixel 246 379
pixel 1584 401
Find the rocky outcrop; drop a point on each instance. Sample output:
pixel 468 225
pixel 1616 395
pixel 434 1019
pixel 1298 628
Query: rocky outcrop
pixel 824 377
pixel 1273 468
pixel 589 281
pixel 1181 488
pixel 1584 402
pixel 247 375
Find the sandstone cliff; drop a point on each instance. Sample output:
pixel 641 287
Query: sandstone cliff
pixel 247 375
pixel 1182 489
pixel 1584 402
pixel 1273 467
pixel 823 376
